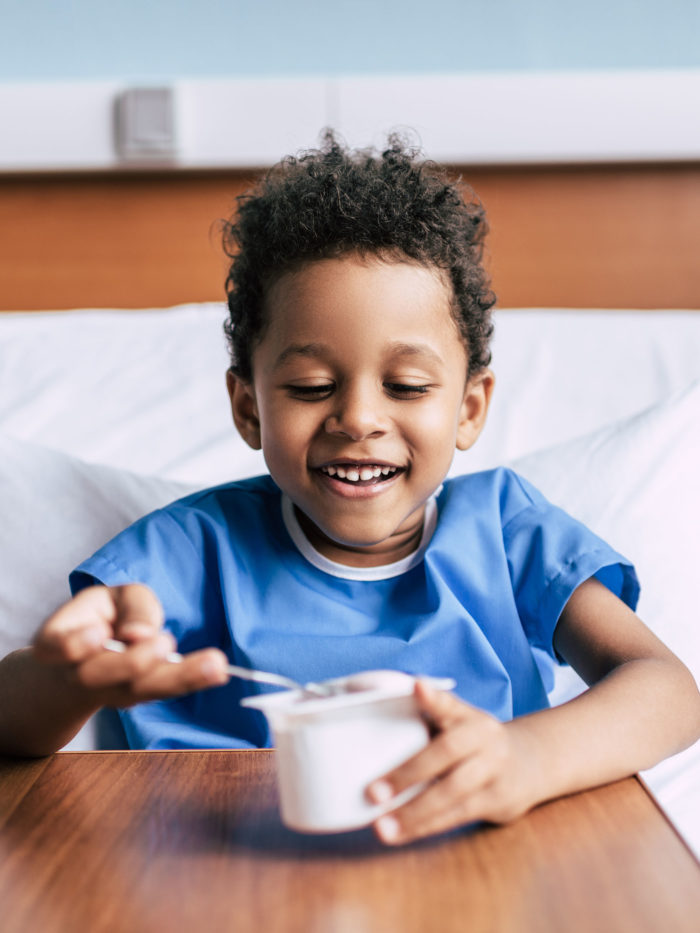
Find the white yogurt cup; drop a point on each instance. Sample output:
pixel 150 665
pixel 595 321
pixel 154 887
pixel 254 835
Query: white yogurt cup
pixel 329 749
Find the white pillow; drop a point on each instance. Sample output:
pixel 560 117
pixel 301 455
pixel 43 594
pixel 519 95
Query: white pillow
pixel 637 484
pixel 56 511
pixel 141 390
pixel 546 392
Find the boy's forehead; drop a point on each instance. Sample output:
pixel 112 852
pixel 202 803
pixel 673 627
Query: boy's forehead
pixel 353 277
pixel 388 308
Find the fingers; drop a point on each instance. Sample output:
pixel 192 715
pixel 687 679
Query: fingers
pixel 132 613
pixel 472 792
pixel 441 708
pixel 78 629
pixel 197 671
pixel 141 673
pixel 139 612
pixel 463 730
pixel 107 668
pixel 462 796
pixel 464 769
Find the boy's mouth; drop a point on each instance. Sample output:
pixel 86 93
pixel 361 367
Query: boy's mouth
pixel 360 474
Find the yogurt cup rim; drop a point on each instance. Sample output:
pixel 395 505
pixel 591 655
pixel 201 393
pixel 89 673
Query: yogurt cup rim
pixel 293 705
pixel 290 702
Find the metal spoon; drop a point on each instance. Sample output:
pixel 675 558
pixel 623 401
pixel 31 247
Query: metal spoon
pixel 245 673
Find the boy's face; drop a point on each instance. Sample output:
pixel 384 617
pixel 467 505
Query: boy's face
pixel 361 372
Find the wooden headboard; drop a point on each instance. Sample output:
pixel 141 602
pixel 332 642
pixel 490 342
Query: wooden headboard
pixel 561 236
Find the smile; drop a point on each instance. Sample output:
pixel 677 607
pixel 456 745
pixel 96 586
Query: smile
pixel 360 472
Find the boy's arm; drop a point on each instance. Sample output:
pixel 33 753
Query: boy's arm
pixel 48 691
pixel 643 706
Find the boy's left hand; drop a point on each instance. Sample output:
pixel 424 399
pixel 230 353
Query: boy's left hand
pixel 475 768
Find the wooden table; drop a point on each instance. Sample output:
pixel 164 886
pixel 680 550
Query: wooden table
pixel 170 841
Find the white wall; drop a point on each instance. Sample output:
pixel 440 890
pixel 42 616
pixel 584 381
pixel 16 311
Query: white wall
pixel 140 40
pixel 478 80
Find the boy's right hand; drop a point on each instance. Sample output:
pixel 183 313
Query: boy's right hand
pixel 72 639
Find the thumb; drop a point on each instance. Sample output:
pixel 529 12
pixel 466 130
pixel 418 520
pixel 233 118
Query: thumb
pixel 441 708
pixel 138 612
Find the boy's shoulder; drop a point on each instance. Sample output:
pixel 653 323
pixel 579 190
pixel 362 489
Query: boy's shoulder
pixel 500 486
pixel 169 536
pixel 496 497
pixel 252 489
pixel 240 502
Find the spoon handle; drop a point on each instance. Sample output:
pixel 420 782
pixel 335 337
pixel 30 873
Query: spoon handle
pixel 245 673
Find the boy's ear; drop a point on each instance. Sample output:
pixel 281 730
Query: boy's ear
pixel 475 405
pixel 244 409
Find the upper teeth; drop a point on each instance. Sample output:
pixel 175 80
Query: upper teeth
pixel 356 473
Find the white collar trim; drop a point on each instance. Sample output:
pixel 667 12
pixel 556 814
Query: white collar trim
pixel 345 572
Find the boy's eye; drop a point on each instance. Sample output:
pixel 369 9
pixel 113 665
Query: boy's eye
pixel 402 390
pixel 311 393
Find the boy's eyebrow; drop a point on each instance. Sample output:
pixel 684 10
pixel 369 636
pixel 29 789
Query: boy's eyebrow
pixel 301 349
pixel 315 350
pixel 423 350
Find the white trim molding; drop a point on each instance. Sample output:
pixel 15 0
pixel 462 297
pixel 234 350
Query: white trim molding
pixel 514 118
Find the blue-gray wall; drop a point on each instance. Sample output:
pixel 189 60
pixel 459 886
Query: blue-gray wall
pixel 165 39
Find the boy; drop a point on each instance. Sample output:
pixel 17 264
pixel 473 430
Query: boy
pixel 359 329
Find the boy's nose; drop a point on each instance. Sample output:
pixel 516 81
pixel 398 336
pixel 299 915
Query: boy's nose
pixel 356 415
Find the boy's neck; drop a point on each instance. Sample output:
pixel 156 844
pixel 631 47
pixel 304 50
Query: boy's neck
pixel 394 548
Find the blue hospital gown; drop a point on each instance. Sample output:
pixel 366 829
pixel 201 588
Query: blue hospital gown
pixel 478 602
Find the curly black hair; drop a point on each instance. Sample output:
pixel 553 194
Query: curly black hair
pixel 333 201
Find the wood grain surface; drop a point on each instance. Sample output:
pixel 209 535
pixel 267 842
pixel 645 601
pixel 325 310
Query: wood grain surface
pixel 175 841
pixel 600 236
